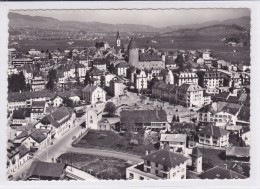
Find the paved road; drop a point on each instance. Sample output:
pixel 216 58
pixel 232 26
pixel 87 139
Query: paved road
pixel 59 146
pixel 107 153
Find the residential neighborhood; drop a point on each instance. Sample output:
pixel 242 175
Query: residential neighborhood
pixel 123 110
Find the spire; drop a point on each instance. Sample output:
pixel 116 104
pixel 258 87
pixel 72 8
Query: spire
pixel 117 36
pixel 132 44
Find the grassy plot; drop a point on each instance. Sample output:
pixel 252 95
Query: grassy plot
pixel 98 166
pixel 129 142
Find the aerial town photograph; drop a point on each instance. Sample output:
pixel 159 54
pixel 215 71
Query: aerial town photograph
pixel 128 94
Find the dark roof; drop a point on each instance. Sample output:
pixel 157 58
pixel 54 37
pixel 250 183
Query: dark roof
pixel 149 57
pixel 142 116
pixel 190 87
pixel 89 88
pixel 214 131
pixel 38 104
pixel 196 152
pixel 21 113
pixel 222 95
pixel 122 65
pixel 244 114
pixel 95 72
pixel 39 135
pixel 166 158
pixel 23 151
pixel 132 43
pixel 17 96
pixel 242 169
pixel 66 94
pixel 237 151
pixel 46 169
pixel 221 173
pixel 220 106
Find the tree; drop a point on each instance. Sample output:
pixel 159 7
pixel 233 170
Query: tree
pixel 16 83
pixel 178 119
pixel 52 75
pixel 77 74
pixel 173 119
pixel 68 102
pixel 87 78
pixel 50 56
pixel 110 108
pixel 179 61
pixel 152 82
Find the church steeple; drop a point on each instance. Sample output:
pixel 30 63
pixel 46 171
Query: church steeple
pixel 118 41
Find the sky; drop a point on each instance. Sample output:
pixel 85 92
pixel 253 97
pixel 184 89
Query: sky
pixel 156 18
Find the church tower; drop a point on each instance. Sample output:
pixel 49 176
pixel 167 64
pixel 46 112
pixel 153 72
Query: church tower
pixel 197 160
pixel 133 53
pixel 118 41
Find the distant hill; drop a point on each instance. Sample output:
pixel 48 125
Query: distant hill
pixel 25 21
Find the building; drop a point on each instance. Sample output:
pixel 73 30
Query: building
pixel 237 153
pixel 135 120
pixel 190 95
pixel 175 142
pixel 186 77
pixel 38 83
pixel 161 164
pixel 211 80
pixel 219 113
pixel 196 157
pixel 93 116
pixel 133 53
pixel 22 61
pixel 118 41
pixel 38 109
pixel 21 117
pixel 95 75
pixel 140 80
pixel 221 173
pixel 246 135
pixel 100 63
pixel 46 171
pixel 214 136
pixel 116 88
pixel 58 122
pixel 93 94
pixel 121 69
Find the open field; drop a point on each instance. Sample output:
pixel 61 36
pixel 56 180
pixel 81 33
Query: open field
pixel 98 166
pixel 162 43
pixel 113 141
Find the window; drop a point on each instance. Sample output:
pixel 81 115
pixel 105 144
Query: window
pixel 141 178
pixel 165 168
pixel 148 163
pixel 148 170
pixel 156 165
pixel 156 172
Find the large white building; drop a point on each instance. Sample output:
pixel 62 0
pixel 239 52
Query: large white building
pixel 94 94
pixel 186 77
pixel 161 164
pixel 140 80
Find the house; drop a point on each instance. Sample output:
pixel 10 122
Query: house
pixel 135 120
pixel 104 124
pixel 21 61
pixel 93 116
pixel 186 77
pixel 21 117
pixel 57 101
pixel 38 83
pixel 69 95
pixel 241 168
pixel 220 113
pixel 38 109
pixel 93 94
pixel 190 95
pixel 161 164
pixel 58 122
pixel 95 75
pixel 117 88
pixel 175 142
pixel 237 153
pixel 196 158
pixel 100 63
pixel 121 69
pixel 108 77
pixel 221 173
pixel 213 136
pixel 46 171
pixel 38 140
pixel 140 80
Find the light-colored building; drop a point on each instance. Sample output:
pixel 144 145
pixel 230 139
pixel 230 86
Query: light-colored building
pixel 140 80
pixel 214 136
pixel 121 69
pixel 186 77
pixel 94 94
pixel 175 142
pixel 116 88
pixel 161 164
pixel 93 116
pixel 38 83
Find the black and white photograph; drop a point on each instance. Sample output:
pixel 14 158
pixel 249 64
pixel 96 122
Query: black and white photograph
pixel 128 94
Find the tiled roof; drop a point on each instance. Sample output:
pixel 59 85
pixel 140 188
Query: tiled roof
pixel 237 151
pixel 21 113
pixel 242 169
pixel 23 151
pixel 230 108
pixel 190 87
pixel 39 135
pixel 214 131
pixel 244 114
pixel 46 169
pixel 142 116
pixel 23 96
pixel 173 137
pixel 122 65
pixel 89 88
pixel 95 72
pixel 36 104
pixel 166 158
pixel 196 152
pixel 66 94
pixel 221 173
pixel 149 57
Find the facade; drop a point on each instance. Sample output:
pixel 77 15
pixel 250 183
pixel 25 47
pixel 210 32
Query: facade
pixel 186 77
pixel 214 136
pixel 133 53
pixel 21 62
pixel 140 80
pixel 93 94
pixel 38 109
pixel 175 142
pixel 92 119
pixel 161 164
pixel 121 69
pixel 38 83
pixel 116 88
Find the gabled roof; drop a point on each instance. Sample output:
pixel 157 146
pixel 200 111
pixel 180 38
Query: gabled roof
pixel 90 88
pixel 220 106
pixel 95 72
pixel 46 169
pixel 238 151
pixel 149 57
pixel 23 151
pixel 122 65
pixel 38 104
pixel 190 87
pixel 143 116
pixel 242 169
pixel 166 158
pixel 66 94
pixel 39 135
pixel 213 131
pixel 23 96
pixel 196 152
pixel 221 173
